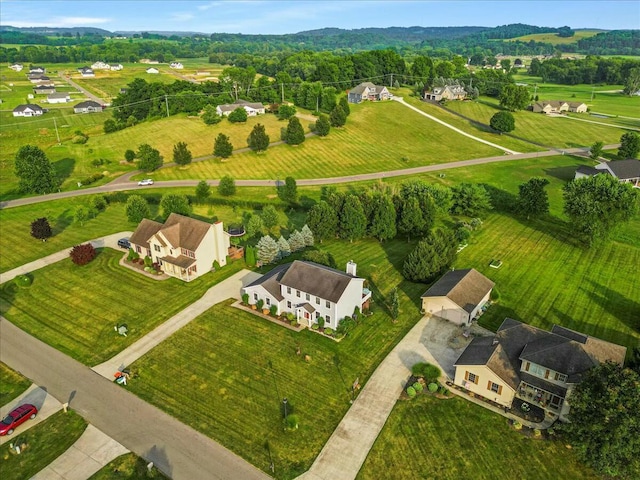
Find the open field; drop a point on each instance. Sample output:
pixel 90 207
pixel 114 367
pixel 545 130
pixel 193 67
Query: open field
pixel 45 442
pixel 453 439
pixel 377 137
pixel 12 384
pixel 536 127
pixel 554 39
pixel 226 372
pixel 75 309
pixel 128 467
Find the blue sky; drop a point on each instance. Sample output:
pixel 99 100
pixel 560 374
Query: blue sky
pixel 264 16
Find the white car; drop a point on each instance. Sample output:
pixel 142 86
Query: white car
pixel 146 181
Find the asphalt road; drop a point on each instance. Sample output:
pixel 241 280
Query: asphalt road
pixel 176 449
pixel 123 183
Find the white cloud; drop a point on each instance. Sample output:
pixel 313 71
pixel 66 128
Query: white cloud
pixel 59 22
pixel 182 17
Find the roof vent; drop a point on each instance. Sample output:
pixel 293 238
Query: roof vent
pixel 495 341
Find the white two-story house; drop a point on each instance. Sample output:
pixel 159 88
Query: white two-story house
pixel 535 366
pixel 311 291
pixel 184 247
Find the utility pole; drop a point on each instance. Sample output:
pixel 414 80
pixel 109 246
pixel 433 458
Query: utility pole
pixel 55 124
pixel 166 102
pixel 592 89
pixel 391 85
pixel 282 91
pixel 535 91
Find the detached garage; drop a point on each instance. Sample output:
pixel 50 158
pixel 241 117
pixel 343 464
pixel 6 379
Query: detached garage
pixel 457 296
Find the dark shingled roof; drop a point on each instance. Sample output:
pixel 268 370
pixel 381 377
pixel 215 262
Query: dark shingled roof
pixel 271 281
pixel 87 104
pixel 625 169
pixel 543 384
pixel 318 280
pixel 586 170
pixel 360 88
pixel 22 108
pixel 466 288
pixel 180 261
pixel 562 350
pixel 184 231
pixel 146 229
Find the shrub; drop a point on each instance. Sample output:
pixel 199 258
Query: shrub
pixel 129 155
pixel 245 298
pixel 411 392
pixel 328 331
pixel 294 322
pixel 99 203
pixel 259 304
pixel 23 281
pixel 273 310
pixel 147 261
pixel 433 387
pixel 315 326
pixel 321 322
pixel 291 422
pixel 429 372
pixel 517 425
pixel 537 432
pixel 133 255
pixel 495 295
pixel 239 115
pixel 418 387
pixel 291 317
pixel 82 254
pixel 79 139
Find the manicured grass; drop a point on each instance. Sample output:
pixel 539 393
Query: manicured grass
pixel 44 443
pixel 75 309
pixel 226 372
pixel 554 39
pixel 12 384
pixel 536 127
pixel 377 137
pixel 127 467
pixel 453 439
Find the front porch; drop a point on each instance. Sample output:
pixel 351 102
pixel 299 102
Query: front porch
pixel 550 402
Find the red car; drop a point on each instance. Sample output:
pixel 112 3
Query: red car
pixel 17 417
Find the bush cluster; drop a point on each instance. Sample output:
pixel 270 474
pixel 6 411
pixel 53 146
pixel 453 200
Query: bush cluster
pixel 82 254
pixel 93 178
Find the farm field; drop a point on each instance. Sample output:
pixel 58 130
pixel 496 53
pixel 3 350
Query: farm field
pixel 12 384
pixel 554 39
pixel 74 309
pixel 46 442
pixel 549 131
pixel 232 392
pixel 453 439
pixel 377 137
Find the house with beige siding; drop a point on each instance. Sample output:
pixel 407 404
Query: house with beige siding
pixel 448 92
pixel 311 291
pixel 536 366
pixel 184 247
pixel 368 91
pixel 458 296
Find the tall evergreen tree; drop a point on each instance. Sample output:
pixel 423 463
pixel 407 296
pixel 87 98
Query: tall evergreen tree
pixel 353 222
pixel 289 191
pixel 344 103
pixel 222 147
pixel 296 241
pixel 383 220
pixel 323 127
pixel 227 186
pixel 431 257
pixel 269 216
pixel 137 208
pixel 181 154
pixel 629 145
pixel 307 235
pixel 323 221
pixel 149 158
pixel 337 117
pixel 34 171
pixel 295 133
pixel 268 250
pixel 258 140
pixel 203 191
pixel 411 220
pixel 284 247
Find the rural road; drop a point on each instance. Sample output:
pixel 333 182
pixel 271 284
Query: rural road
pixel 86 92
pixel 121 184
pixel 176 449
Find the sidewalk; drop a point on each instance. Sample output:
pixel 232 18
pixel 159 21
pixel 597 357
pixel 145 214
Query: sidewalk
pixel 45 403
pixel 229 288
pixel 348 447
pixel 92 451
pixel 110 241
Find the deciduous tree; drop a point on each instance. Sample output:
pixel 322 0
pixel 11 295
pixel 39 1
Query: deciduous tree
pixel 258 139
pixel 129 155
pixel 34 171
pixel 239 115
pixel 203 191
pixel 227 186
pixel 149 159
pixel 41 229
pixel 533 199
pixel 604 420
pixel 181 154
pixel 80 215
pixel 222 147
pixel 503 122
pixel 174 203
pixel 632 84
pixel 210 115
pixel 269 217
pixel 629 145
pixel 137 208
pixel 469 199
pixel 82 254
pixel 595 152
pixel 285 112
pixel 597 205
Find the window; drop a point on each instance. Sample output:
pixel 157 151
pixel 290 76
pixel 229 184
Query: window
pixel 327 318
pixel 494 387
pixel 288 289
pixel 317 300
pixel 538 371
pixel 255 297
pixel 156 248
pixel 561 377
pixel 328 304
pixel 298 293
pixel 317 315
pixel 288 304
pixel 308 297
pixel 471 377
pixel 267 301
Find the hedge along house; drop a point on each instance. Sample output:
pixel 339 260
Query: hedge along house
pixel 534 365
pixel 184 247
pixel 458 296
pixel 311 291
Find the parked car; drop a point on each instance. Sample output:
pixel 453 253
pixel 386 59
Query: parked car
pixel 17 417
pixel 124 243
pixel 146 181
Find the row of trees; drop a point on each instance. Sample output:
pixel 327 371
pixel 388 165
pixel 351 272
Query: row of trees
pixel 270 250
pixel 590 70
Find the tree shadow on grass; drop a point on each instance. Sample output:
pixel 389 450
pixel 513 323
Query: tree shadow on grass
pixel 562 173
pixel 64 168
pixel 63 221
pixel 625 309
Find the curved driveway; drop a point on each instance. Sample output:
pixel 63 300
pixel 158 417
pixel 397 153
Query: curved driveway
pixel 120 184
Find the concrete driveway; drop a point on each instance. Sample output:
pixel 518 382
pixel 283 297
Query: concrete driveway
pixel 37 396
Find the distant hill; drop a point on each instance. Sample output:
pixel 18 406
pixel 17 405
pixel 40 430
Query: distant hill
pixel 554 39
pixel 56 30
pixel 405 33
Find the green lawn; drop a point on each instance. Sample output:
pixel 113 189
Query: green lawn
pixel 127 467
pixel 377 137
pixel 536 127
pixel 226 372
pixel 12 384
pixel 454 439
pixel 554 39
pixel 44 443
pixel 75 309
